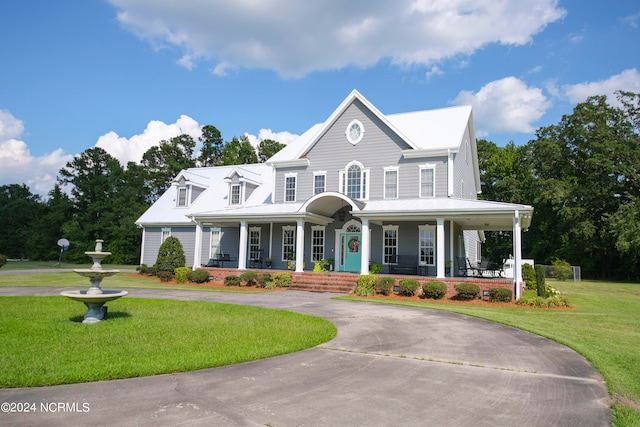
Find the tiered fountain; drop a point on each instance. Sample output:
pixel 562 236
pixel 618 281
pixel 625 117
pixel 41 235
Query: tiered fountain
pixel 95 297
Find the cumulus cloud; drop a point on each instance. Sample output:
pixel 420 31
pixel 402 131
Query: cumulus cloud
pixel 18 166
pixel 282 137
pixel 295 37
pixel 628 80
pixel 131 149
pixel 506 105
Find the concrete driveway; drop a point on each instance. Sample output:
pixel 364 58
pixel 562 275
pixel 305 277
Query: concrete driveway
pixel 388 366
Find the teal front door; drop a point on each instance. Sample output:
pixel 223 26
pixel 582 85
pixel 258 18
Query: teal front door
pixel 352 251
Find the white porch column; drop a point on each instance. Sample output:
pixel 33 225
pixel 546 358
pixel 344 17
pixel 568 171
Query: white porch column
pixel 197 252
pixel 440 255
pixel 452 236
pixel 517 255
pixel 365 251
pixel 300 246
pixel 242 251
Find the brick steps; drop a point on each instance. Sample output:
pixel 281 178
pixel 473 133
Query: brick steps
pixel 324 282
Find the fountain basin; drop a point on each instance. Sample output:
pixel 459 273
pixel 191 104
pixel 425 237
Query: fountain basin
pixel 94 302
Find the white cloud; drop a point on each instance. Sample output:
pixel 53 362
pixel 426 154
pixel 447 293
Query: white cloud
pixel 131 149
pixel 282 137
pixel 506 105
pixel 434 71
pixel 295 37
pixel 18 166
pixel 628 80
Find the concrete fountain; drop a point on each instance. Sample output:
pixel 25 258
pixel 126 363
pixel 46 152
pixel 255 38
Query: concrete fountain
pixel 95 297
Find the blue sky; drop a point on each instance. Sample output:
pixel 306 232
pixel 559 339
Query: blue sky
pixel 125 74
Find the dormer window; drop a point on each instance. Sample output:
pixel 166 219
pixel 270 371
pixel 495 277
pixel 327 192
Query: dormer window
pixel 234 194
pixel 182 196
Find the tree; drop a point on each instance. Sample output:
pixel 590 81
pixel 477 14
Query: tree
pixel 47 229
pixel 212 147
pixel 239 152
pixel 19 209
pixel 164 161
pixel 170 255
pixel 268 148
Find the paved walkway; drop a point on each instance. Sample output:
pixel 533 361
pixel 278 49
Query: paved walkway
pixel 388 366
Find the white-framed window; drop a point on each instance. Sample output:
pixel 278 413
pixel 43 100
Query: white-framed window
pixel 389 244
pixel 427 245
pixel 288 242
pixel 216 238
pixel 166 233
pixel 354 132
pixel 235 193
pixel 290 187
pixel 182 196
pixel 319 182
pixel 354 181
pixel 427 180
pixel 391 182
pixel 254 242
pixel 317 242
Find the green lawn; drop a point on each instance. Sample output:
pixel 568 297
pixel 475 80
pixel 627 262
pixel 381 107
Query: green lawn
pixel 603 325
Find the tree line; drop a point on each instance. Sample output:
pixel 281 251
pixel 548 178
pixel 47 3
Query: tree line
pixel 581 175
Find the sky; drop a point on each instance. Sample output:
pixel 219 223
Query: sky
pixel 124 75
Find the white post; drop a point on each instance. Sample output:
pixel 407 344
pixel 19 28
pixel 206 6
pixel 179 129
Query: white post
pixel 197 253
pixel 242 251
pixel 451 247
pixel 300 246
pixel 440 247
pixel 517 255
pixel 365 247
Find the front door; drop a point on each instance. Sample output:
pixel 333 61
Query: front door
pixel 352 251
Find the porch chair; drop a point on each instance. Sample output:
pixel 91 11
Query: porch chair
pixel 464 266
pixel 256 260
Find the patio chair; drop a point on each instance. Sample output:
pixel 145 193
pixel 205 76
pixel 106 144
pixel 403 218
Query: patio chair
pixel 256 260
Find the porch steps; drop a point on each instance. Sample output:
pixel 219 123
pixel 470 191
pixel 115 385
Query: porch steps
pixel 342 283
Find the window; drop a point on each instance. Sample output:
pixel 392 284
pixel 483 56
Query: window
pixel 216 237
pixel 390 244
pixel 182 196
pixel 427 181
pixel 427 245
pixel 391 183
pixel 234 197
pixel 319 182
pixel 354 181
pixel 317 243
pixel 288 242
pixel 355 132
pixel 290 188
pixel 166 233
pixel 254 242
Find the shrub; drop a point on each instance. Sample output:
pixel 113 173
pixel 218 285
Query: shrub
pixel 434 289
pixel 249 278
pixel 540 281
pixel 165 276
pixel 146 270
pixel 181 274
pixel 320 266
pixel 561 269
pixel 170 255
pixel 282 279
pixel 263 279
pixel 366 286
pixel 376 268
pixel 232 281
pixel 539 302
pixel 529 276
pixel 500 295
pixel 408 287
pixel 3 260
pixel 385 285
pixel 467 291
pixel 198 276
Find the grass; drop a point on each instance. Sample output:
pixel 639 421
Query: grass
pixel 38 265
pixel 45 343
pixel 603 326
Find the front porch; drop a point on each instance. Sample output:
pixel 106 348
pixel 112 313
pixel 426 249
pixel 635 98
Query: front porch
pixel 344 283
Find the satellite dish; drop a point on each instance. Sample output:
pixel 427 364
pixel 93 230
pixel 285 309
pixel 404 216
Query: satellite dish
pixel 64 244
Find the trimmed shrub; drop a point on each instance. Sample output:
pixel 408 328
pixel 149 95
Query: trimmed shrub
pixel 198 276
pixel 385 285
pixel 232 281
pixel 170 255
pixel 540 281
pixel 165 276
pixel 561 269
pixel 146 270
pixel 376 268
pixel 539 302
pixel 282 279
pixel 249 278
pixel 181 274
pixel 3 260
pixel 408 287
pixel 467 291
pixel 434 289
pixel 529 276
pixel 500 295
pixel 263 279
pixel 366 286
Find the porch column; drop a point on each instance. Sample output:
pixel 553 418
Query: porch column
pixel 365 247
pixel 517 255
pixel 242 251
pixel 197 252
pixel 452 255
pixel 300 246
pixel 440 247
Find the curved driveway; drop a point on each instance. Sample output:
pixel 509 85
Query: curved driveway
pixel 388 366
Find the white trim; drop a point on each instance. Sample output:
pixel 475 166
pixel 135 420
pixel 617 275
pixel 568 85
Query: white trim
pixel 395 228
pixel 187 192
pixel 427 227
pixel 365 180
pixel 431 167
pixel 313 183
pixel 395 169
pixel 351 125
pixel 315 228
pixel 295 186
pixel 284 229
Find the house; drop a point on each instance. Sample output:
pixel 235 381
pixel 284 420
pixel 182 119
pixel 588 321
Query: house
pixel 362 187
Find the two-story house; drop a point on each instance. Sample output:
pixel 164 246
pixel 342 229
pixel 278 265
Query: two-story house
pixel 360 188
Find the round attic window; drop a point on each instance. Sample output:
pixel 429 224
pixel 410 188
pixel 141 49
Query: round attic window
pixel 355 132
